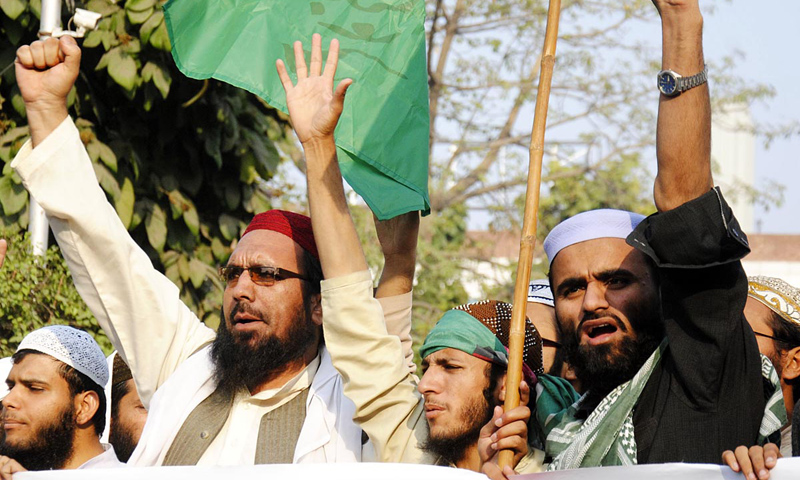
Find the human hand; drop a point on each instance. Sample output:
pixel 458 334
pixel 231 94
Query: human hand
pixel 8 467
pixel 46 71
pixel 505 431
pixel 754 462
pixel 314 107
pixel 3 249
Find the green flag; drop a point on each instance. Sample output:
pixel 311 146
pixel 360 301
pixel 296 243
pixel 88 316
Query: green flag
pixel 382 136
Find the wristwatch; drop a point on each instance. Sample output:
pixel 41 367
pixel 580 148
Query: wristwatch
pixel 672 84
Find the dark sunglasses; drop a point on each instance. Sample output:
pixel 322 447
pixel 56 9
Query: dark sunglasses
pixel 259 274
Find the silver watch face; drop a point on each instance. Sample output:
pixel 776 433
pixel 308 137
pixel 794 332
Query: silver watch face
pixel 668 83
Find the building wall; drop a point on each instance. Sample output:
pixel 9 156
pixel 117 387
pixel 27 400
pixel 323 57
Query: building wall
pixel 733 152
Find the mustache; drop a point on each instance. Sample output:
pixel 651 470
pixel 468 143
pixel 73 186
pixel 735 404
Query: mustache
pixel 246 308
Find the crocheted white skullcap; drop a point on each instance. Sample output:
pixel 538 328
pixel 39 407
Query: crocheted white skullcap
pixel 591 225
pixel 539 292
pixel 74 347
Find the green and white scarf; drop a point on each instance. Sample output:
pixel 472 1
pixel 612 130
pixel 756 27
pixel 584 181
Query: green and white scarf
pixel 606 436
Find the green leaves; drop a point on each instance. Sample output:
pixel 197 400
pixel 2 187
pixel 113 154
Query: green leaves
pixel 122 68
pixel 13 8
pixel 35 292
pixel 160 77
pixel 184 180
pixel 156 225
pixel 12 195
pixel 125 203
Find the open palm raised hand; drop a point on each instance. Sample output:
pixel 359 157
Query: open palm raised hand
pixel 314 106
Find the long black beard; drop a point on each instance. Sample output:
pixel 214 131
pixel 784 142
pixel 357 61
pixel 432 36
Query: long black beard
pixel 121 438
pixel 603 368
pixel 241 361
pixel 51 446
pixel 453 447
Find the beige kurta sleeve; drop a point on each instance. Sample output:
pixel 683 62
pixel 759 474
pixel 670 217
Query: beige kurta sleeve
pixel 138 308
pixel 397 315
pixel 376 377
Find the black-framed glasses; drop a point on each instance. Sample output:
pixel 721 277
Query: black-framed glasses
pixel 259 274
pixel 546 342
pixel 777 339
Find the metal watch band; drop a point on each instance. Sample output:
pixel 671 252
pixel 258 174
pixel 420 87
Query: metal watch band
pixel 686 83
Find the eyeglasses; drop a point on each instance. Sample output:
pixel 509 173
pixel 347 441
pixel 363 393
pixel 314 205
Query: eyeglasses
pixel 777 339
pixel 259 274
pixel 550 343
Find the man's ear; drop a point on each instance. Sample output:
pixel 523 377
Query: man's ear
pixel 86 405
pixel 791 364
pixel 316 309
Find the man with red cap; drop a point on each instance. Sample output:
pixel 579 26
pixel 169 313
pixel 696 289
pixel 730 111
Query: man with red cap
pixel 261 389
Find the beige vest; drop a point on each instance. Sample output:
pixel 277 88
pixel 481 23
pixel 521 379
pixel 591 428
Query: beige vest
pixel 277 433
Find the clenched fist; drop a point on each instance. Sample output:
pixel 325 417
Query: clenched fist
pixel 46 71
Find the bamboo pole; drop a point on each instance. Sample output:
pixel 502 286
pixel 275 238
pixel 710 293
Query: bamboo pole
pixel 528 240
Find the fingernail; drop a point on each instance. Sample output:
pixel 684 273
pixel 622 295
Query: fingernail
pixel 751 476
pixel 770 459
pixel 494 437
pixel 499 422
pixel 763 474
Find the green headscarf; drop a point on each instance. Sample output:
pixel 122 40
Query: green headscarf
pixel 460 330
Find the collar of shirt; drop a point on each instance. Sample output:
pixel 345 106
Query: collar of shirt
pixel 275 396
pixel 107 459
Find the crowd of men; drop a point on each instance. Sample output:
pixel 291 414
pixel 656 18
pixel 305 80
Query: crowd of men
pixel 647 343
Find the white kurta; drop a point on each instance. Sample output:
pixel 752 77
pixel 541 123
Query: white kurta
pixel 160 338
pixel 107 459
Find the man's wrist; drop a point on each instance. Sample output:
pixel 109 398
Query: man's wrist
pixel 319 145
pixel 44 119
pixel 676 22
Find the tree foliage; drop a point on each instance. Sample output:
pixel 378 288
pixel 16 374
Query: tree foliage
pixel 186 163
pixel 38 291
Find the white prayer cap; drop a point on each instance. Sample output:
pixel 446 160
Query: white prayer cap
pixel 539 292
pixel 74 347
pixel 603 223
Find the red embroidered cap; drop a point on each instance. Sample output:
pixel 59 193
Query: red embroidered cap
pixel 293 225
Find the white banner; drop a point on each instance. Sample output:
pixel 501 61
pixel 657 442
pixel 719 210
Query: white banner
pixel 787 469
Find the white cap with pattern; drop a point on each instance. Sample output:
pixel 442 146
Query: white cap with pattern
pixel 74 347
pixel 777 295
pixel 539 292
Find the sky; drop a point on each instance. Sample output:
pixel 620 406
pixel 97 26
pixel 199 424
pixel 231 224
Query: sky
pixel 767 33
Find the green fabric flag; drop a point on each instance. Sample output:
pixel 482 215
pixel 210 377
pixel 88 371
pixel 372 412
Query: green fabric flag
pixel 382 136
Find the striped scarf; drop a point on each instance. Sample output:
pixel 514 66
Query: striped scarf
pixel 606 436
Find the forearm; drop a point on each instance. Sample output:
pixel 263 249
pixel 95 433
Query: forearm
pixel 138 308
pixel 683 142
pixel 397 277
pixel 339 248
pixel 370 361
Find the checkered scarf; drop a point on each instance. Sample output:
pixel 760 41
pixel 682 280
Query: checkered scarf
pixel 606 436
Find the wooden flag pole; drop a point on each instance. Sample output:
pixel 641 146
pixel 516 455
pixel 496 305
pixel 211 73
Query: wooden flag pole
pixel 528 240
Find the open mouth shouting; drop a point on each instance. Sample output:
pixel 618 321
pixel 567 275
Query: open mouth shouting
pixel 599 331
